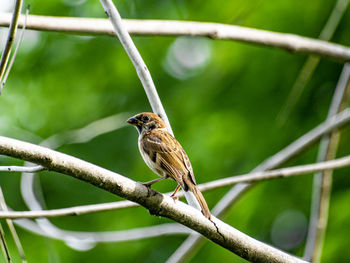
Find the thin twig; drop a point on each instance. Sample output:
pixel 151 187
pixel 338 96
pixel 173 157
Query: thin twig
pixel 15 52
pixel 4 245
pixel 136 59
pixel 70 211
pixel 246 178
pixel 10 39
pixel 284 41
pixel 91 238
pixel 27 169
pixel 232 196
pixel 12 228
pixel 323 180
pixel 273 174
pixel 158 204
pixel 312 61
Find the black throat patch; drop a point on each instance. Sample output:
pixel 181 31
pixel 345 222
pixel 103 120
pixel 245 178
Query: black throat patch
pixel 139 128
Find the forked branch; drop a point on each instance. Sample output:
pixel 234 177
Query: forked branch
pixel 158 204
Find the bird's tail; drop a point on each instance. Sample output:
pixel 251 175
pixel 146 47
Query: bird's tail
pixel 195 198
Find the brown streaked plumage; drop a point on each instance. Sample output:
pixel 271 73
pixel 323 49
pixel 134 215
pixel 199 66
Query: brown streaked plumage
pixel 165 156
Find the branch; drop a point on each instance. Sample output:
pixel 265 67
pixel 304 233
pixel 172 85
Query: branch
pixel 3 81
pixel 12 229
pixel 246 178
pixel 27 169
pixel 323 181
pixel 136 59
pixel 89 239
pixel 10 38
pixel 158 204
pixel 4 246
pixel 71 211
pixel 100 26
pixel 276 160
pixel 273 174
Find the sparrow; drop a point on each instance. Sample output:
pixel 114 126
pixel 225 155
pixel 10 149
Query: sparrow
pixel 164 155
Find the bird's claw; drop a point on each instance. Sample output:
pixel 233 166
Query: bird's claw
pixel 174 197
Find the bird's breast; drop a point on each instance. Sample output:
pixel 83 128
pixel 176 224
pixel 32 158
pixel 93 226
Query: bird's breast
pixel 146 155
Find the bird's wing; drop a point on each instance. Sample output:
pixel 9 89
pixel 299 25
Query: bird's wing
pixel 168 155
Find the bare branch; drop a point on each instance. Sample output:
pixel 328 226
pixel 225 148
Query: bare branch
pixel 309 138
pixel 71 211
pixel 276 160
pixel 9 42
pixel 247 178
pixel 158 204
pixel 273 174
pixel 3 81
pixel 324 128
pixel 136 59
pixel 4 245
pixel 323 180
pixel 284 41
pixel 90 238
pixel 12 228
pixel 27 169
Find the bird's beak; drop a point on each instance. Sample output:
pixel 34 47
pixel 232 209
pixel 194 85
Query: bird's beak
pixel 133 121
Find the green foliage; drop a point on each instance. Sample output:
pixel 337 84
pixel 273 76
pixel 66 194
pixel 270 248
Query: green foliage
pixel 224 114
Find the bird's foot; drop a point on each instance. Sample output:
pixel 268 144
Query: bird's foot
pixel 174 197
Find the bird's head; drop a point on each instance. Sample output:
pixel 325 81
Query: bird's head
pixel 146 121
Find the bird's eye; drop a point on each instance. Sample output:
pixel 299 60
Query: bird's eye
pixel 145 118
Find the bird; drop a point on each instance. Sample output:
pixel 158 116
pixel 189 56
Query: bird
pixel 164 155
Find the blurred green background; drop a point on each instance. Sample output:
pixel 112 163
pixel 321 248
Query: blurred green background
pixel 222 99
